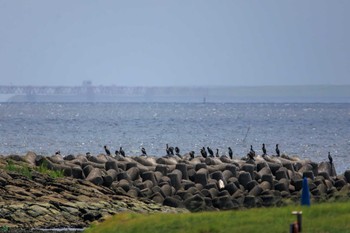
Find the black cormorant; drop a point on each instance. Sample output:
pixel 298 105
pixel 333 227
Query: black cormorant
pixel 169 150
pixel 251 156
pixel 210 151
pixel 252 152
pixel 192 154
pixel 204 152
pixel 58 152
pixel 277 151
pixel 122 152
pixel 263 149
pixel 230 153
pixel 143 150
pixel 177 150
pixel 330 158
pixel 217 153
pixel 107 151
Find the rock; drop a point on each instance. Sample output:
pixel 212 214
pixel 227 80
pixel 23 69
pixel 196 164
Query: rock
pixel 231 188
pixel 201 176
pixel 30 158
pixel 250 185
pixel 223 202
pixel 281 173
pixel 133 173
pixel 268 178
pixel 157 198
pixel 227 174
pixel 162 168
pixel 87 169
pixel 195 203
pixel 172 202
pixel 112 164
pixel 347 176
pixel 255 191
pixel 244 178
pixel 274 167
pixel 200 166
pixel 232 169
pixel 249 168
pixel 265 185
pixel 77 172
pixel 249 201
pixel 265 171
pixel 183 168
pixel 95 176
pixel 175 179
pixel 339 184
pixel 123 176
pixel 309 174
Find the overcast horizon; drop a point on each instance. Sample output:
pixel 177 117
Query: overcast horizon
pixel 174 43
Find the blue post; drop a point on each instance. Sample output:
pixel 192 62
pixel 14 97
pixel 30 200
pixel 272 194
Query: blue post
pixel 305 195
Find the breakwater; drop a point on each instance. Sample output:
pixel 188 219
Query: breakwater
pixel 95 187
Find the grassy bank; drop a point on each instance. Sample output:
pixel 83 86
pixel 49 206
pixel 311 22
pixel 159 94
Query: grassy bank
pixel 320 218
pixel 27 171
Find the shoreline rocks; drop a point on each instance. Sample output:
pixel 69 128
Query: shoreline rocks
pixel 95 187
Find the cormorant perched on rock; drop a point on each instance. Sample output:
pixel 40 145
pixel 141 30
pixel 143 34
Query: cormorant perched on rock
pixel 169 150
pixel 143 150
pixel 263 149
pixel 251 156
pixel 330 158
pixel 210 151
pixel 230 153
pixel 177 150
pixel 252 152
pixel 107 151
pixel 192 154
pixel 217 153
pixel 122 152
pixel 116 153
pixel 277 151
pixel 204 152
pixel 58 152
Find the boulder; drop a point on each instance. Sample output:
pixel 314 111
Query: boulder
pixel 201 176
pixel 133 173
pixel 244 178
pixel 95 176
pixel 183 168
pixel 195 203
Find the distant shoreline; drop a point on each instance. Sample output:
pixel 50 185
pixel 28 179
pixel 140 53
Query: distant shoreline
pixel 202 94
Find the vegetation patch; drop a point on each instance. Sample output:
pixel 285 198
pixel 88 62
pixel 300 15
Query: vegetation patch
pixel 323 217
pixel 27 171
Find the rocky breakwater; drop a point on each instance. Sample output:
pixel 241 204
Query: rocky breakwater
pixel 32 196
pixel 98 186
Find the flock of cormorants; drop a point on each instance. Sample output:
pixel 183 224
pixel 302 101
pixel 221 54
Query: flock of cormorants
pixel 205 152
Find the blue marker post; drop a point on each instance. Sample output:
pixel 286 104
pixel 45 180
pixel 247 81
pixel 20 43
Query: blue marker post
pixel 305 195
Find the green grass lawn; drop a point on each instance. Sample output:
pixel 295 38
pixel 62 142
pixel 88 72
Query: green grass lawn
pixel 320 218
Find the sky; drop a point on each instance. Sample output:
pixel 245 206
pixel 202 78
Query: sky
pixel 174 43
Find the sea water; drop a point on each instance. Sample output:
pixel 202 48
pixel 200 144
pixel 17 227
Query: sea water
pixel 307 130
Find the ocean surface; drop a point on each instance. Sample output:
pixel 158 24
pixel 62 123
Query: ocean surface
pixel 307 130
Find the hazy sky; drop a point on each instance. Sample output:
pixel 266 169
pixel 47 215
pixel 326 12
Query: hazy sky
pixel 161 43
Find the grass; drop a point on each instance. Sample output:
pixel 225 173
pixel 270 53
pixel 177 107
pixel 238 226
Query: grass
pixel 27 171
pixel 321 218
